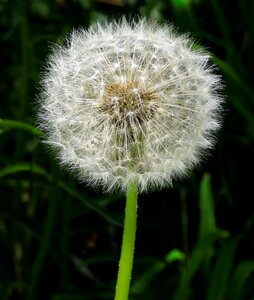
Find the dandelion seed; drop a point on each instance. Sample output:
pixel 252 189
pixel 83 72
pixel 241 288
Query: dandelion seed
pixel 129 101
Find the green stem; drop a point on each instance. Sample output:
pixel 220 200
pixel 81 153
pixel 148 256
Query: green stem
pixel 128 244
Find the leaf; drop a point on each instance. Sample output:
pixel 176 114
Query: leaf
pixel 24 167
pixel 240 277
pixel 93 296
pixel 221 271
pixel 174 255
pixel 13 124
pixel 180 3
pixel 196 258
pixel 207 222
pixel 90 204
pixel 142 283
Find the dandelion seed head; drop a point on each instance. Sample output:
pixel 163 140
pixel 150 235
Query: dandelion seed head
pixel 129 101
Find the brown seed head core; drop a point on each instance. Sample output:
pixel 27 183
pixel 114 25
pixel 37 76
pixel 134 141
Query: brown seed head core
pixel 131 100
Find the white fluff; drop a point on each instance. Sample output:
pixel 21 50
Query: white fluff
pixel 129 101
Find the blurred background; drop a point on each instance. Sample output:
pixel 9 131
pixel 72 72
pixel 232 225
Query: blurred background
pixel 59 239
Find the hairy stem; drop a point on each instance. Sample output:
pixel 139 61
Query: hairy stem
pixel 128 244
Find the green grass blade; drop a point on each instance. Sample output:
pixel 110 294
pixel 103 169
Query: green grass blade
pixel 223 24
pixel 242 273
pixel 174 255
pixel 207 217
pixel 22 167
pixel 88 203
pixel 221 271
pixel 13 124
pixel 195 260
pixel 229 71
pixel 144 281
pixel 49 225
pixel 184 14
pixel 27 167
pixel 87 296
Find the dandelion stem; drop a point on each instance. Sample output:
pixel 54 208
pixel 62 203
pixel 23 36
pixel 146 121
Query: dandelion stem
pixel 128 244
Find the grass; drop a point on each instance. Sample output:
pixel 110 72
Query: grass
pixel 59 239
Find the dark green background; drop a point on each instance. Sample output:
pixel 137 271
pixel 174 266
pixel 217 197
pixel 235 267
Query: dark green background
pixel 60 240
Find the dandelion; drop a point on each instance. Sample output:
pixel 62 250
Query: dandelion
pixel 128 102
pixel 129 106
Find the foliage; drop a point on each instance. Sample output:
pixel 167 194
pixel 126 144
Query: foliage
pixel 60 240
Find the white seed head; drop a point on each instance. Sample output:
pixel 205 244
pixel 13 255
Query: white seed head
pixel 129 101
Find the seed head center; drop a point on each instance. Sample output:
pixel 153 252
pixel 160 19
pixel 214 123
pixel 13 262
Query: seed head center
pixel 128 101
